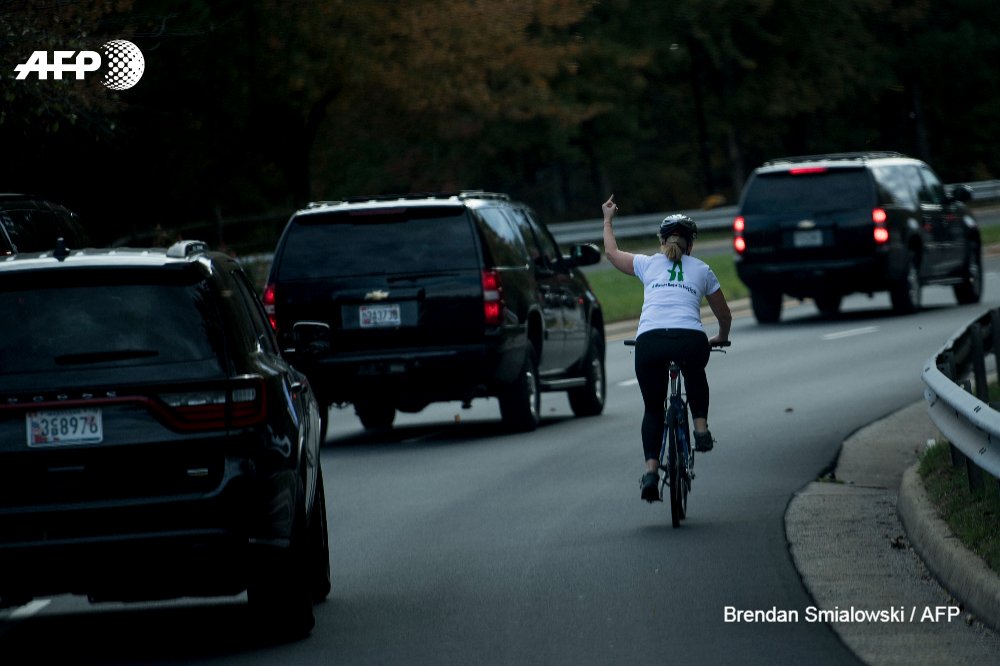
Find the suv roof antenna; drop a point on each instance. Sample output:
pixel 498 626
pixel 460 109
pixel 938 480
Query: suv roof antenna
pixel 186 248
pixel 60 252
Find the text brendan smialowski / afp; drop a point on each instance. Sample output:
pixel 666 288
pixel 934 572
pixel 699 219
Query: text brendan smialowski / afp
pixel 888 615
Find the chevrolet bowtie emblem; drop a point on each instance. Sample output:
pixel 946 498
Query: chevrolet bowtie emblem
pixel 377 295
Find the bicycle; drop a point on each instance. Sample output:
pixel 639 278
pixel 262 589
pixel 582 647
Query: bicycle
pixel 678 472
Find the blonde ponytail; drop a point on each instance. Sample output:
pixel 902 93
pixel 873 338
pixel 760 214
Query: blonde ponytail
pixel 674 247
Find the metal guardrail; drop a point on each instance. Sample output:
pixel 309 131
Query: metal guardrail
pixel 633 226
pixel 957 395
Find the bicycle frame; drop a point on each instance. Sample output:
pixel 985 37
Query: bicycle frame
pixel 676 453
pixel 678 467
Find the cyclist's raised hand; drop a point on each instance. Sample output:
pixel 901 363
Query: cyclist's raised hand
pixel 609 208
pixel 620 260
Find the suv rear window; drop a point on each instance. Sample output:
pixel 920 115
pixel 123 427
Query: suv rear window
pixel 834 189
pixel 36 230
pixel 106 324
pixel 382 242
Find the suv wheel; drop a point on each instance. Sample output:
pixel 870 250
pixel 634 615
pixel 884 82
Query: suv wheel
pixel 829 304
pixel 970 290
pixel 375 415
pixel 766 305
pixel 589 399
pixel 520 403
pixel 318 545
pixel 905 294
pixel 279 596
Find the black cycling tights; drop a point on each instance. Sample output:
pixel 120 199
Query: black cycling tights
pixel 654 350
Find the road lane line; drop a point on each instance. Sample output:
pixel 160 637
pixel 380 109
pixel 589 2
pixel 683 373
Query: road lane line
pixel 629 382
pixel 29 609
pixel 850 333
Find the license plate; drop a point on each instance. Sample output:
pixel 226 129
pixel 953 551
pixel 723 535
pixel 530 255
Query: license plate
pixel 812 238
pixel 378 316
pixel 64 427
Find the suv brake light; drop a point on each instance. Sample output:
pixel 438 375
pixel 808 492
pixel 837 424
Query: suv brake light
pixel 268 300
pixel 802 171
pixel 237 405
pixel 739 243
pixel 881 234
pixel 493 303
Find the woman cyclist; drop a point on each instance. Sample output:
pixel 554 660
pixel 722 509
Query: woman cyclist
pixel 670 329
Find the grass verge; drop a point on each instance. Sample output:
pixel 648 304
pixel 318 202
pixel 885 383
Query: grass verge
pixel 974 517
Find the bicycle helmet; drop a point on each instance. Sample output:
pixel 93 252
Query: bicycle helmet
pixel 679 225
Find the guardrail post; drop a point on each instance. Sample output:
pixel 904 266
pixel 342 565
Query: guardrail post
pixel 946 364
pixel 979 362
pixel 973 472
pixel 995 344
pixel 995 339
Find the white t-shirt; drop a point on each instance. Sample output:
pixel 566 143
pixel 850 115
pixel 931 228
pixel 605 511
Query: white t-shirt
pixel 672 292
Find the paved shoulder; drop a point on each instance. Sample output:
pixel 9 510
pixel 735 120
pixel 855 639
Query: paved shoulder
pixel 857 562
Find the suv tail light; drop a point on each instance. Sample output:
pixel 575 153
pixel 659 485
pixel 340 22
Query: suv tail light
pixel 739 243
pixel 493 303
pixel 268 300
pixel 881 233
pixel 234 405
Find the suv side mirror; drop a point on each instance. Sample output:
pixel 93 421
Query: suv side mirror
pixel 961 193
pixel 585 254
pixel 311 337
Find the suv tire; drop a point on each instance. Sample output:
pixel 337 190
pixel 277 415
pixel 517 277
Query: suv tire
pixel 970 290
pixel 520 403
pixel 766 305
pixel 828 304
pixel 588 400
pixel 279 596
pixel 905 294
pixel 318 545
pixel 375 415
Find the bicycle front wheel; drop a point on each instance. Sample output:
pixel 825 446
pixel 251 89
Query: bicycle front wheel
pixel 676 478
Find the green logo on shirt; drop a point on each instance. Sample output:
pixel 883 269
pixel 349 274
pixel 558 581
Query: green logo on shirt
pixel 677 272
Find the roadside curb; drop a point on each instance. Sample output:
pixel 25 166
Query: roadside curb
pixel 960 571
pixel 848 541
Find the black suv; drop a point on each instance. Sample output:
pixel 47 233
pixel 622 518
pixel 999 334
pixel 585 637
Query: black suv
pixel 824 226
pixel 32 224
pixel 154 443
pixel 396 302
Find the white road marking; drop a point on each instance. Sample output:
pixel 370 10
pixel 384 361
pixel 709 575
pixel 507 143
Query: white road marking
pixel 29 609
pixel 850 333
pixel 629 382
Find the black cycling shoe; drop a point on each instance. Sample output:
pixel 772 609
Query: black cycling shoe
pixel 650 483
pixel 703 441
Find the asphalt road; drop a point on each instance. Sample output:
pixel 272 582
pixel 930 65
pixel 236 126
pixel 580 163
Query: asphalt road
pixel 455 543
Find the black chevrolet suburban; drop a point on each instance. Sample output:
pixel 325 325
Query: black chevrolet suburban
pixel 394 302
pixel 824 226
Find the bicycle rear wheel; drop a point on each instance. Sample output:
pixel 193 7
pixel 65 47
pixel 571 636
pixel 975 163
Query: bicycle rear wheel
pixel 676 477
